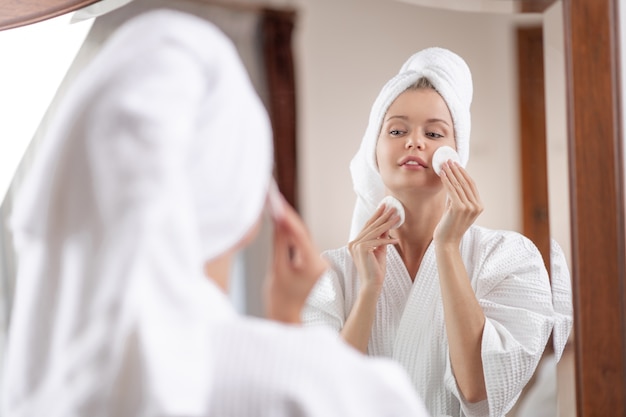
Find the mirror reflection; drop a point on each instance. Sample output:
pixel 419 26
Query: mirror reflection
pixel 495 161
pixel 341 64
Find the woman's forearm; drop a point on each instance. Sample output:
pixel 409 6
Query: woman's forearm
pixel 465 322
pixel 358 327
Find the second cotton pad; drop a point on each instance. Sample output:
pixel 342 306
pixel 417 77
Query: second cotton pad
pixel 443 154
pixel 391 202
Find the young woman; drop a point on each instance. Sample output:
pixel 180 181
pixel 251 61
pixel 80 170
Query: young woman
pixel 468 311
pixel 154 175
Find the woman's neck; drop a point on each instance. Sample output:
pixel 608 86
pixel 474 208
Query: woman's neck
pixel 416 233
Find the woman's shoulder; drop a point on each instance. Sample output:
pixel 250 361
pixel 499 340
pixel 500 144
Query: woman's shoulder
pixel 336 252
pixel 500 239
pixel 504 257
pixel 490 233
pixel 289 357
pixel 339 258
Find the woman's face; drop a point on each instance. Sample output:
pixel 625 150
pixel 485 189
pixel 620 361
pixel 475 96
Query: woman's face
pixel 415 125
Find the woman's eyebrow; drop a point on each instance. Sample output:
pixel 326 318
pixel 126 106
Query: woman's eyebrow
pixel 435 120
pixel 400 116
pixel 431 120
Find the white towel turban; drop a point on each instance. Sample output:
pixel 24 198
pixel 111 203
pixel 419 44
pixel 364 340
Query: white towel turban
pixel 137 185
pixel 452 78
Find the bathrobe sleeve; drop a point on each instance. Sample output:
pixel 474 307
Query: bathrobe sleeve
pixel 561 284
pixel 513 289
pixel 326 304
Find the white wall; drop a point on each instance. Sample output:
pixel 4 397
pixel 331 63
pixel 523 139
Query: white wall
pixel 35 59
pixel 347 49
pixel 556 124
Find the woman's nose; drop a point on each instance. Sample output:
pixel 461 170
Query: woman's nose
pixel 414 141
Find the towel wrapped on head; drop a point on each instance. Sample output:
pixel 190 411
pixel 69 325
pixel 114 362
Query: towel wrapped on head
pixel 452 79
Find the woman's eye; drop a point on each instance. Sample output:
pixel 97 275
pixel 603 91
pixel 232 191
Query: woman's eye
pixel 396 132
pixel 434 135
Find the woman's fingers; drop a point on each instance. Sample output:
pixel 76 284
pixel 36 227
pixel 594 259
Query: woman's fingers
pixel 379 224
pixel 369 248
pixel 297 265
pixel 372 245
pixel 455 184
pixel 293 236
pixel 463 206
pixel 379 211
pixel 460 186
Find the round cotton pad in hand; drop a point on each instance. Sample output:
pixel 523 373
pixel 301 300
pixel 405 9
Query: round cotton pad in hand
pixel 443 154
pixel 392 203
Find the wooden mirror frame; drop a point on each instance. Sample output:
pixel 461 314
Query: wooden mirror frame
pixel 18 13
pixel 597 204
pixel 596 190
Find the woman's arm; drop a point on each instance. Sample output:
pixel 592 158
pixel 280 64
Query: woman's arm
pixel 463 315
pixel 358 327
pixel 296 267
pixel 369 253
pixel 464 323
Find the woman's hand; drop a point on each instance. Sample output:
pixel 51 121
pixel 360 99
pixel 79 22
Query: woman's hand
pixel 369 248
pixel 369 253
pixel 296 267
pixel 462 208
pixel 465 320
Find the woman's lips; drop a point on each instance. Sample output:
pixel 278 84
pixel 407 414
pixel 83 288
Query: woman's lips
pixel 413 163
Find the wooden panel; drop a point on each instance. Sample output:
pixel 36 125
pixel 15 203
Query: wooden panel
pixel 597 199
pixel 277 29
pixel 14 13
pixel 532 120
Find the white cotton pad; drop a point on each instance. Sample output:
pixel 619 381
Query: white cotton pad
pixel 395 204
pixel 443 154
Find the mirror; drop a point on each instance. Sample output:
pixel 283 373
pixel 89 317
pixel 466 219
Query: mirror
pixel 346 65
pixel 16 15
pixel 344 61
pixel 347 49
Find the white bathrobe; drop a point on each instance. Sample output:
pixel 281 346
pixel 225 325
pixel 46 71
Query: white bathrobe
pixel 267 369
pixel 511 284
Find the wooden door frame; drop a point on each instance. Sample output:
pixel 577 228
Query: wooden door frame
pixel 597 204
pixel 533 139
